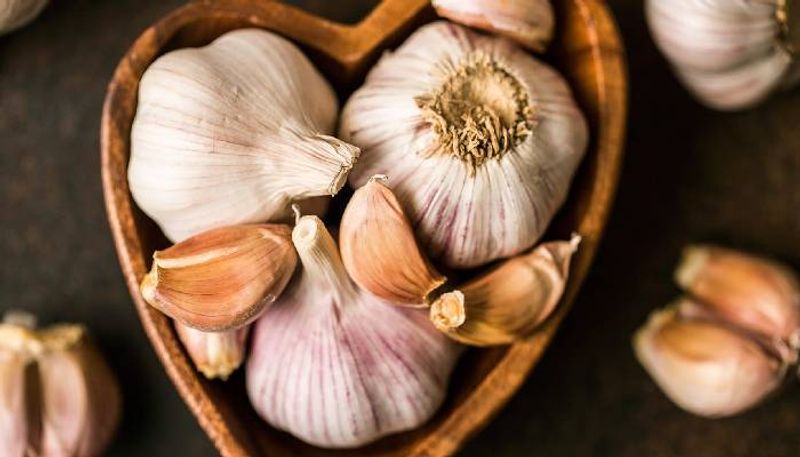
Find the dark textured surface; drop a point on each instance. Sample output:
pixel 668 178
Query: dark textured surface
pixel 690 174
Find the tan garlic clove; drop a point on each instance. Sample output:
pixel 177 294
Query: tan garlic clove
pixel 704 367
pixel 528 22
pixel 221 279
pixel 507 303
pixel 379 250
pixel 749 292
pixel 215 354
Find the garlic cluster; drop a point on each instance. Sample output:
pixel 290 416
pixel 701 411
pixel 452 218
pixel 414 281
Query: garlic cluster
pixel 215 354
pixel 729 344
pixel 528 22
pixel 338 367
pixel 730 53
pixel 233 132
pixel 479 139
pixel 16 13
pixel 58 397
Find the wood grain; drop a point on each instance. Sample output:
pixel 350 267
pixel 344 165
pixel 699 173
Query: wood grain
pixel 588 52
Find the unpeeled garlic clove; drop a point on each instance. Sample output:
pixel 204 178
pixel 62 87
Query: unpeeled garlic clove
pixel 528 22
pixel 379 250
pixel 337 367
pixel 215 354
pixel 510 301
pixel 706 368
pixel 221 279
pixel 749 292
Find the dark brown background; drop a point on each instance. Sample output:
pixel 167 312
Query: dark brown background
pixel 690 174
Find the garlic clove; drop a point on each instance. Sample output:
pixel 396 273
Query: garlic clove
pixel 20 423
pixel 528 22
pixel 749 292
pixel 221 279
pixel 337 367
pixel 215 354
pixel 705 368
pixel 232 133
pixel 17 13
pixel 510 301
pixel 379 250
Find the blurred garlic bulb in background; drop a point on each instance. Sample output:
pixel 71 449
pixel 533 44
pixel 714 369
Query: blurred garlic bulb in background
pixel 17 13
pixel 479 139
pixel 528 22
pixel 730 53
pixel 233 132
pixel 336 366
pixel 215 354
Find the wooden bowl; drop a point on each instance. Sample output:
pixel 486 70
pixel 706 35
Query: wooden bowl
pixel 587 51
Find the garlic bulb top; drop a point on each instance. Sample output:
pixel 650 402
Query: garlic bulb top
pixel 336 366
pixel 16 13
pixel 233 132
pixel 480 141
pixel 730 53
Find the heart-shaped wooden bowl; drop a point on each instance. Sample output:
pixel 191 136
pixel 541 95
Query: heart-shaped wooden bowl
pixel 587 51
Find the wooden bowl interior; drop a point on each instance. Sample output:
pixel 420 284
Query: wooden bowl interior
pixel 587 52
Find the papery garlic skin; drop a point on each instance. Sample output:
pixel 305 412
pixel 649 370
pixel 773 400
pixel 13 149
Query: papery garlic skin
pixel 478 180
pixel 705 368
pixel 731 53
pixel 233 132
pixel 528 22
pixel 215 354
pixel 509 302
pixel 20 426
pixel 17 13
pixel 338 367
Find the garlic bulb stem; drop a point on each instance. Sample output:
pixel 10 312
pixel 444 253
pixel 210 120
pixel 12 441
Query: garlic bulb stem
pixel 320 257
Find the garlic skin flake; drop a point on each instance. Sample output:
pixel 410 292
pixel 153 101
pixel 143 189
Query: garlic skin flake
pixel 528 22
pixel 708 369
pixel 233 132
pixel 336 366
pixel 481 179
pixel 17 13
pixel 215 354
pixel 730 53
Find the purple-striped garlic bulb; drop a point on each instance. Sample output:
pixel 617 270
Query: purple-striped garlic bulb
pixel 337 367
pixel 730 53
pixel 479 139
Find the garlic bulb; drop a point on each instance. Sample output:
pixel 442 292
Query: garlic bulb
pixel 528 22
pixel 704 367
pixel 233 133
pixel 58 397
pixel 510 301
pixel 17 13
pixel 480 141
pixel 379 250
pixel 336 366
pixel 730 53
pixel 215 354
pixel 223 278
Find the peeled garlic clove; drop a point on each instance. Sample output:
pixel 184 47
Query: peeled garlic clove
pixel 221 279
pixel 215 354
pixel 730 54
pixel 528 22
pixel 379 250
pixel 20 422
pixel 337 367
pixel 510 301
pixel 233 132
pixel 80 395
pixel 706 368
pixel 17 13
pixel 749 292
pixel 479 139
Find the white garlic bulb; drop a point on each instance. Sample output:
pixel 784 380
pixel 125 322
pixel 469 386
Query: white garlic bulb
pixel 479 139
pixel 336 366
pixel 17 13
pixel 730 53
pixel 233 132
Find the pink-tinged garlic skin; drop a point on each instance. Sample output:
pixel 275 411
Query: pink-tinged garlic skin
pixel 19 423
pixel 729 53
pixel 337 367
pixel 528 22
pixel 465 215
